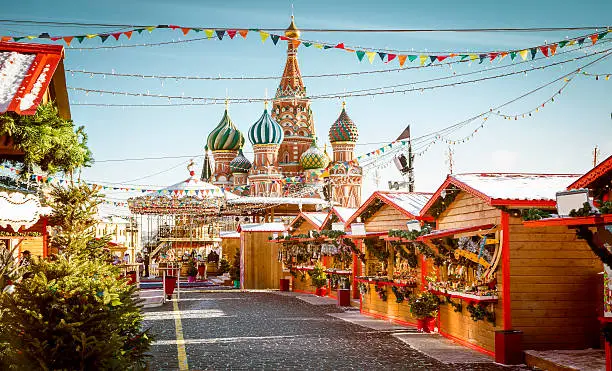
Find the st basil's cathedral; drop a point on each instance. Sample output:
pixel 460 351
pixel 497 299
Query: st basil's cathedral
pixel 285 146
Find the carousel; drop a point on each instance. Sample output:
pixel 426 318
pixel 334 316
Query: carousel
pixel 181 223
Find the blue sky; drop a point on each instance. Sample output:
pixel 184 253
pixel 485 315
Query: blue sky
pixel 558 139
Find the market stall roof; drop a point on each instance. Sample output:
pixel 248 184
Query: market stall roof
pixel 277 200
pixel 314 218
pixel 569 221
pixel 229 234
pixel 598 177
pixel 262 227
pixel 342 213
pixel 26 73
pixel 506 189
pixel 19 210
pixel 408 203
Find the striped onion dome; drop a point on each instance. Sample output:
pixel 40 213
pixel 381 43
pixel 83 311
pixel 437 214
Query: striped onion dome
pixel 344 129
pixel 240 164
pixel 225 136
pixel 266 130
pixel 314 158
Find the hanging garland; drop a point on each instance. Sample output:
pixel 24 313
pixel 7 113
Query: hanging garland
pixel 382 292
pixel 535 214
pixel 371 209
pixel 457 307
pixel 349 242
pixel 363 288
pixel 479 312
pixel 382 254
pixel 400 293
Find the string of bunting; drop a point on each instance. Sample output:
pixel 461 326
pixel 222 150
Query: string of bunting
pixel 385 90
pixel 385 55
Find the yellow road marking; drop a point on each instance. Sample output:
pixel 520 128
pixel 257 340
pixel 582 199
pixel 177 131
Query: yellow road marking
pixel 180 341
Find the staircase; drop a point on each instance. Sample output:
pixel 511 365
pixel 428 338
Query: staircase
pixel 162 246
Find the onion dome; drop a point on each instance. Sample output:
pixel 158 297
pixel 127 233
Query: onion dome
pixel 292 31
pixel 225 136
pixel 314 158
pixel 266 130
pixel 240 164
pixel 344 129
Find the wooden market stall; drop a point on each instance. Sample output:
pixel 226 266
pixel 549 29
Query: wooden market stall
pixel 592 223
pixel 260 267
pixel 386 272
pixel 508 278
pixel 230 244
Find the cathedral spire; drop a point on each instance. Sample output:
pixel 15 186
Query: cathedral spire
pixel 291 84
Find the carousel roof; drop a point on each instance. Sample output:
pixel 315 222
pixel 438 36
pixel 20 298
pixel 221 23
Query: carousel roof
pixel 18 210
pixel 189 196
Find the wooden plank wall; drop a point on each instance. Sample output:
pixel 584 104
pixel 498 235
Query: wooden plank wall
pixel 302 285
pixel 304 228
pixel 467 210
pixel 556 289
pixel 386 218
pixel 262 270
pixel 400 312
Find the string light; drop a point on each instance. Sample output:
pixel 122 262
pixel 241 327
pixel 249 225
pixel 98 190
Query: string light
pixel 353 93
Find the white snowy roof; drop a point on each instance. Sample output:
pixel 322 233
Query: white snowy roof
pixel 262 227
pixel 229 234
pixel 277 200
pixel 192 186
pixel 410 202
pixel 517 186
pixel 344 212
pixel 25 73
pixel 316 218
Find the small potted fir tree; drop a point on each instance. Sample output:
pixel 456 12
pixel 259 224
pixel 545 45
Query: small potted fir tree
pixel 424 307
pixel 318 278
pixel 234 270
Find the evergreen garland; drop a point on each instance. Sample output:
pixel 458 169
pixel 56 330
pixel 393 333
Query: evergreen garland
pixel 585 210
pixel 441 204
pixel 457 307
pixel 410 256
pixel 479 312
pixel 371 209
pixel 382 292
pixel 382 254
pixel 605 207
pixel 363 288
pixel 534 214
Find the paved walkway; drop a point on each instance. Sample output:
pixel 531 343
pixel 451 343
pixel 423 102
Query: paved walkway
pixel 265 330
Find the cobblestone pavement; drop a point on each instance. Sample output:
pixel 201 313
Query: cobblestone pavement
pixel 234 330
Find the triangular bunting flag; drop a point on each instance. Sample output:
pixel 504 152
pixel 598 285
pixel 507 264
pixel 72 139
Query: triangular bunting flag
pixel 402 60
pixel 512 55
pixel 422 59
pixel 339 46
pixel 31 37
pixel 284 38
pixel 318 46
pixel 594 38
pixel 473 57
pixel 544 50
pixel 581 41
pixel 220 34
pixel 492 56
pixel 295 43
pixel 553 49
pixel 572 42
pixel 463 57
pixel 68 39
pixel 128 34
pixel 602 35
pixel 503 55
pixel 391 57
pixel 264 36
pixel 274 38
pixel 150 28
pixel 534 51
pixel 209 33
pixel 104 37
pixel 185 30
pixel 92 35
pixel 440 58
pixel 197 29
pixel 360 54
pixel 243 33
pixel 116 35
pixel 327 46
pixel 80 38
pixel 231 33
pixel 412 58
pixel 382 55
pixel 5 38
pixel 172 26
pixel 523 54
pixel 432 58
pixel 307 44
pixel 482 58
pixel 562 43
pixel 44 35
pixel 371 56
pixel 139 30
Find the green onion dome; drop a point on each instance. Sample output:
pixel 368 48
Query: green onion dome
pixel 225 136
pixel 344 129
pixel 240 164
pixel 266 130
pixel 314 158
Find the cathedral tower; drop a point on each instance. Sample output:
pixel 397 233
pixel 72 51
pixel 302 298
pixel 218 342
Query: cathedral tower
pixel 225 140
pixel 266 136
pixel 345 174
pixel 291 109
